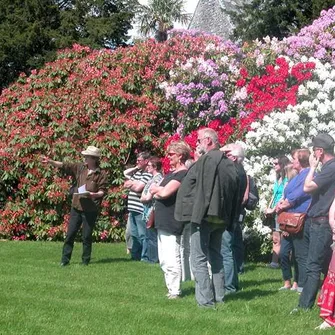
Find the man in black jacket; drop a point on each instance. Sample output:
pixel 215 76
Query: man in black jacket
pixel 232 243
pixel 208 198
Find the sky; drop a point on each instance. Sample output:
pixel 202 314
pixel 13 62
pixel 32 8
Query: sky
pixel 189 8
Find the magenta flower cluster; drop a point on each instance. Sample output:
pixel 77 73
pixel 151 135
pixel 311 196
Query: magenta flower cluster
pixel 316 40
pixel 210 86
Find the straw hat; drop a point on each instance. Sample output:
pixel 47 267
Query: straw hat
pixel 91 151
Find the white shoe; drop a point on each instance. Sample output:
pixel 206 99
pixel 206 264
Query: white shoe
pixel 324 325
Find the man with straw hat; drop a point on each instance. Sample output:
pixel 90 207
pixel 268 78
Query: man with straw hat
pixel 90 187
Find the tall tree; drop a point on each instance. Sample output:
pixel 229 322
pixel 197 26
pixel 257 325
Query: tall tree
pixel 27 36
pixel 32 30
pixel 96 23
pixel 274 18
pixel 158 17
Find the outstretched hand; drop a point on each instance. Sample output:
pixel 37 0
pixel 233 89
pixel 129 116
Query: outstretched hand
pixel 45 159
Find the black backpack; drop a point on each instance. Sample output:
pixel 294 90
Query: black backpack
pixel 253 196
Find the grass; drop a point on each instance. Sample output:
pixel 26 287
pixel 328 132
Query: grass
pixel 114 295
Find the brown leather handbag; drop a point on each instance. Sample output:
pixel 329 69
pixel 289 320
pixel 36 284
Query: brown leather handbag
pixel 292 223
pixel 151 220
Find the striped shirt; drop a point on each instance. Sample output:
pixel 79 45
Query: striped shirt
pixel 134 203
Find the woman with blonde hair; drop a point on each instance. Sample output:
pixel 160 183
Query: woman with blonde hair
pixel 169 230
pixel 295 200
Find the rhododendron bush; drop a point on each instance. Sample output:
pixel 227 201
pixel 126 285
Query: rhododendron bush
pixel 103 98
pixel 271 95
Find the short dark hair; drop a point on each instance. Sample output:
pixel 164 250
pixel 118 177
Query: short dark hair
pixel 303 157
pixel 156 162
pixel 144 155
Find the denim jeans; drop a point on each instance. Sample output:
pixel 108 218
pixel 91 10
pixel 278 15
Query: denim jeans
pixel 229 264
pixel 129 241
pixel 78 218
pixel 206 241
pixel 138 235
pixel 238 247
pixel 151 255
pixel 185 246
pixel 287 258
pixel 318 238
pixel 300 255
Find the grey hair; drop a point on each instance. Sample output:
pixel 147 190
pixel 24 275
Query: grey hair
pixel 211 133
pixel 236 150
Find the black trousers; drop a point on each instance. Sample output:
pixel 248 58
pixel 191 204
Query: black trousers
pixel 78 218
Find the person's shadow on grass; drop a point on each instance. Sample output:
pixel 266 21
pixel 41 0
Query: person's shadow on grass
pixel 112 260
pixel 245 283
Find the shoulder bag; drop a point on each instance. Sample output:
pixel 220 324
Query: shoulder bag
pixel 292 223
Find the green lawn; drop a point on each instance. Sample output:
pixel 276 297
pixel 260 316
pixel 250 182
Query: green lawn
pixel 114 295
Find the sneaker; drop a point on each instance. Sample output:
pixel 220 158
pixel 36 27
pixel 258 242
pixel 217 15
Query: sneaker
pixel 295 311
pixel 64 264
pixel 324 325
pixel 273 265
pixel 299 310
pixel 173 296
pixel 285 288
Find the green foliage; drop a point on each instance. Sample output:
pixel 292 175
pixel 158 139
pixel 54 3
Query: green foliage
pixel 31 31
pixel 27 32
pixel 108 99
pixel 95 23
pixel 274 18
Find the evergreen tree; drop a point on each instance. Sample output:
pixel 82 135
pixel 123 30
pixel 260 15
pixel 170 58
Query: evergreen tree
pixel 31 31
pixel 96 23
pixel 27 36
pixel 274 18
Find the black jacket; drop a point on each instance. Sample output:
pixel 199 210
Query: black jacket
pixel 210 189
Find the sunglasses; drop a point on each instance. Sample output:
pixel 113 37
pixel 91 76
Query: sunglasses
pixel 170 154
pixel 199 140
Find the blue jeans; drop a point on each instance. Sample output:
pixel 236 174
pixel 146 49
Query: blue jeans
pixel 318 238
pixel 300 255
pixel 287 258
pixel 138 235
pixel 238 247
pixel 206 241
pixel 151 255
pixel 229 264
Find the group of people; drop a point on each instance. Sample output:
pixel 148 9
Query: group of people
pixel 199 207
pixel 301 188
pixel 198 210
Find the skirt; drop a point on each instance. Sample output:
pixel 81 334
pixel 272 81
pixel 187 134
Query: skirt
pixel 326 300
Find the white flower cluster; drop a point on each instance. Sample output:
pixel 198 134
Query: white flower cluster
pixel 294 128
